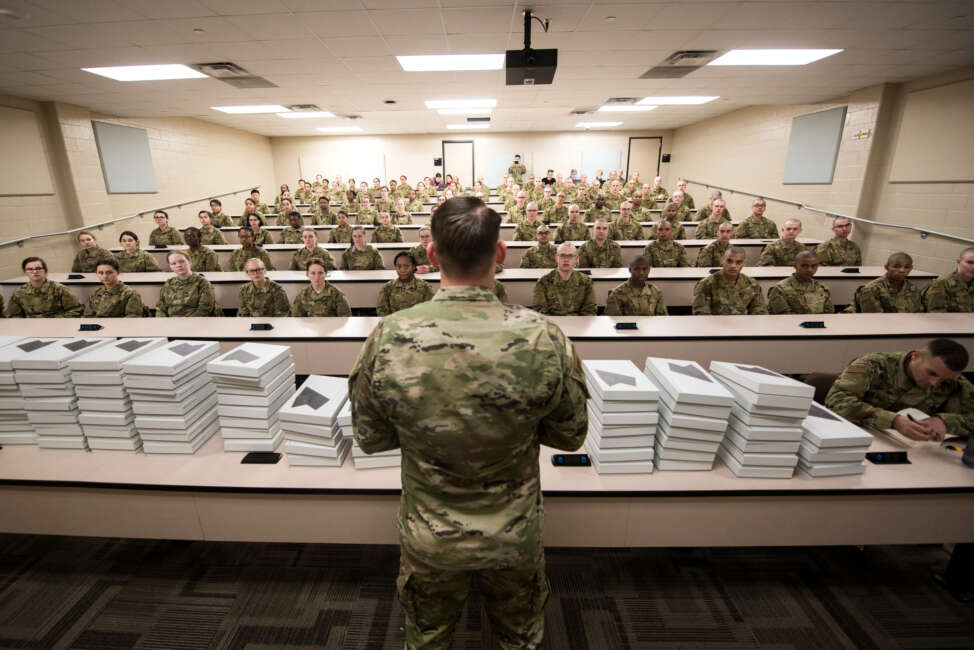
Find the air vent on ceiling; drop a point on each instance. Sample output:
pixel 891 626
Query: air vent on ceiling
pixel 680 64
pixel 478 119
pixel 232 74
pixel 351 117
pixel 620 100
pixel 304 108
pixel 583 111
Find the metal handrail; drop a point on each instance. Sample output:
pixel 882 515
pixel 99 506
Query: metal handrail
pixel 20 240
pixel 924 232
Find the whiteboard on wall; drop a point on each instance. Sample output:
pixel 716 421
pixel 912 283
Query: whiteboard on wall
pixel 23 163
pixel 496 164
pixel 936 138
pixel 607 161
pixel 126 161
pixel 361 167
pixel 813 147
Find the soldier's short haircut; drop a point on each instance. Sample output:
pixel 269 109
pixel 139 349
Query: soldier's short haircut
pixel 256 216
pixel 465 233
pixel 426 228
pixel 967 251
pixel 286 198
pixel 255 191
pixel 793 220
pixel 293 213
pixel 192 229
pixel 671 204
pixel 207 213
pixel 625 204
pixel 954 354
pixel 246 229
pixel 543 227
pixel 342 211
pixel 725 223
pixel 602 220
pixel 130 234
pixel 412 258
pixel 531 204
pixel 806 255
pixel 572 206
pixel 358 228
pixel 734 250
pixel 836 220
pixel 212 202
pixel 28 260
pixel 665 222
pixel 162 212
pixel 259 261
pixel 320 262
pixel 715 194
pixel 250 200
pixel 107 261
pixel 640 260
pixel 894 257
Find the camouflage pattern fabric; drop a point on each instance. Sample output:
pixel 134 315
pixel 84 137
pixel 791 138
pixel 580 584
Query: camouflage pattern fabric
pixel 572 297
pixel 716 295
pixel 137 262
pixel 291 235
pixel 706 211
pixel 569 231
pixel 330 302
pixel 190 297
pixel 540 257
pixel 517 172
pixel 688 201
pixel 707 229
pixel 949 293
pixel 556 214
pixel 620 231
pixel 118 302
pixel 712 254
pixel 422 258
pixel 679 231
pixel 594 213
pixel 239 257
pixel 319 218
pixel 402 219
pixel 203 259
pixel 879 296
pixel 263 238
pixel 683 213
pixel 397 295
pixel 87 259
pixel 606 256
pixel 500 291
pixel 793 297
pixel 835 252
pixel 781 253
pixel 669 255
pixel 210 236
pixel 168 238
pixel 269 301
pixel 756 228
pixel 365 217
pixel 526 231
pixel 303 256
pixel 340 235
pixel 51 300
pixel 386 235
pixel 626 300
pixel 515 214
pixel 367 259
pixel 223 220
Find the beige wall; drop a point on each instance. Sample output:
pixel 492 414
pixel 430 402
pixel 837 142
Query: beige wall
pixel 192 159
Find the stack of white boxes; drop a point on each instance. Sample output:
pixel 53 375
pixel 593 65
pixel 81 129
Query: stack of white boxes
pixel 622 417
pixel 693 410
pixel 362 460
pixel 15 428
pixel 252 383
pixel 766 419
pixel 106 409
pixel 172 396
pixel 309 420
pixel 831 445
pixel 44 378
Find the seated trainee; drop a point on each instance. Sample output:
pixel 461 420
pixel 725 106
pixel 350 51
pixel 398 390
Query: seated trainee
pixel 757 226
pixel 542 254
pixel 132 259
pixel 664 252
pixel 40 297
pixel 385 232
pixel 600 252
pixel 321 215
pixel 713 252
pixel 319 298
pixel 261 236
pixel 247 250
pixel 574 229
pixel 310 252
pixel 953 292
pixel 292 232
pixel 202 258
pixel 636 296
pixel 840 250
pixel 420 252
pixel 729 291
pixel 526 229
pixel 782 252
pixel 707 228
pixel 261 296
pixel 564 291
pixel 406 290
pixel 287 207
pixel 163 234
pixel 114 299
pixel 801 293
pixel 218 217
pixel 341 233
pixel 891 293
pixel 625 228
pixel 187 293
pixel 208 234
pixel 89 255
pixel 360 256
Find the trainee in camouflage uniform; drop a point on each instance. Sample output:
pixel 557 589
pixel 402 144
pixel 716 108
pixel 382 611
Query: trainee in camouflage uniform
pixel 303 256
pixel 87 259
pixel 401 218
pixel 666 255
pixel 330 302
pixel 396 295
pixel 625 230
pixel 572 297
pixel 708 210
pixel 875 386
pixel 322 215
pixel 595 213
pixel 573 231
pixel 168 237
pixel 791 296
pixel 627 300
pixel 422 258
pixel 836 252
pixel 718 296
pixel 540 257
pixel 120 301
pixel 267 301
pixel 415 206
pixel 238 260
pixel 340 235
pixel 50 300
pixel 137 262
pixel 517 172
pixel 654 195
pixel 190 297
pixel 556 214
pixel 203 259
pixel 712 253
pixel 367 259
pixel 366 217
pixel 384 205
pixel 593 256
pixel 683 213
pixel 210 236
pixel 303 195
pixel 755 227
pixel 223 220
pixel 515 214
pixel 688 200
pixel 679 231
pixel 526 230
pixel 781 252
pixel 500 291
pixel 949 293
pixel 386 235
pixel 707 229
pixel 291 235
pixel 263 237
pixel 880 296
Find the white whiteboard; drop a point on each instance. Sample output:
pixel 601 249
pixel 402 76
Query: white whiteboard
pixel 126 160
pixel 23 164
pixel 813 147
pixel 936 138
pixel 607 161
pixel 361 167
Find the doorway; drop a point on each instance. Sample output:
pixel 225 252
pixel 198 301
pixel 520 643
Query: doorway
pixel 458 160
pixel 644 157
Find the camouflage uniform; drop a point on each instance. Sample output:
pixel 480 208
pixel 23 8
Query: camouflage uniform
pixel 239 257
pixel 583 202
pixel 223 220
pixel 367 259
pixel 836 253
pixel 118 302
pixel 526 231
pixel 594 213
pixel 386 235
pixel 712 254
pixel 613 201
pixel 688 201
pixel 606 256
pixel 679 231
pixel 366 217
pixel 340 235
pixel 569 231
pixel 263 238
pixel 168 238
pixel 202 259
pixel 385 205
pixel 416 206
pixel 706 211
pixel 572 297
pixel 87 259
pixel 949 293
pixel 291 235
pixel 267 302
pixel 138 262
pixel 715 295
pixel 683 213
pixel 707 229
pixel 471 498
pixel 302 196
pixel 319 218
pixel 500 291
pixel 210 236
pixel 620 231
pixel 879 296
pixel 540 257
pixel 330 302
pixel 556 214
pixel 626 300
pixel 654 192
pixel 671 255
pixel 52 300
pixel 875 386
pixel 282 218
pixel 641 214
pixel 756 228
pixel 190 297
pixel 422 259
pixel 792 297
pixel 401 218
pixel 781 253
pixel 515 214
pixel 396 295
pixel 303 256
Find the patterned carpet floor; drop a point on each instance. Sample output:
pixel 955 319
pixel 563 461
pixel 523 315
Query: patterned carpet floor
pixel 88 593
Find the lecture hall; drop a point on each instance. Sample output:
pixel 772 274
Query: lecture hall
pixel 274 254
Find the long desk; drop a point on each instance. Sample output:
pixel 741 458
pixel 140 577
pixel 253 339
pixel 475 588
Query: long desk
pixel 362 287
pixel 281 254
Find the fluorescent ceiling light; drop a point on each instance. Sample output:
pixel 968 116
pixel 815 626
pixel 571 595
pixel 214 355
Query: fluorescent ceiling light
pixel 340 129
pixel 596 125
pixel 772 57
pixel 463 111
pixel 304 115
pixel 475 125
pixel 461 103
pixel 624 108
pixel 247 110
pixel 689 99
pixel 443 62
pixel 147 72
